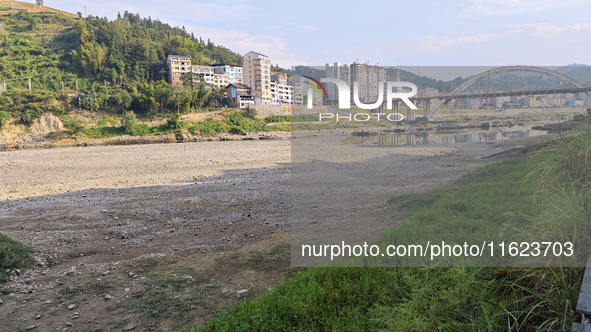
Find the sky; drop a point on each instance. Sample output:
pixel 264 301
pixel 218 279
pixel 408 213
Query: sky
pixel 391 33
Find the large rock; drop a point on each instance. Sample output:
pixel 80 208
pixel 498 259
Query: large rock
pixel 46 124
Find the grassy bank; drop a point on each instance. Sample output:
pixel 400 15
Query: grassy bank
pixel 545 190
pixel 13 256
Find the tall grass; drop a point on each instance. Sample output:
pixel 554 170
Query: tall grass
pixel 560 171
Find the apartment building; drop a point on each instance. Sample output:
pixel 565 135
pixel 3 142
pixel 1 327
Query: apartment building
pixel 206 72
pixel 178 66
pixel 299 89
pixel 368 77
pixel 281 93
pixel 257 76
pixel 234 73
pixel 213 76
pixel 469 103
pixel 280 78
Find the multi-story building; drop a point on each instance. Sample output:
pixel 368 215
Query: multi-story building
pixel 469 103
pixel 368 78
pixel 281 93
pixel 500 101
pixel 427 92
pixel 257 75
pixel 234 73
pixel 335 71
pixel 299 89
pixel 178 65
pixel 213 76
pixel 206 72
pixel 280 78
pixel 220 79
pixel 239 95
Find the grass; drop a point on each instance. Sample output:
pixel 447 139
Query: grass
pixel 13 256
pixel 527 191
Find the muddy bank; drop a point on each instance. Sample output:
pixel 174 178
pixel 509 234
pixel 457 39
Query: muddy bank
pixel 46 142
pixel 410 127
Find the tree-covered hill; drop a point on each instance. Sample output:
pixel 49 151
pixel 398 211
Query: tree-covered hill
pixel 67 54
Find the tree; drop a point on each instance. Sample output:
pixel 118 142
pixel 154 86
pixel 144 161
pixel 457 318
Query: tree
pixel 162 94
pixel 39 3
pixel 129 121
pixel 122 100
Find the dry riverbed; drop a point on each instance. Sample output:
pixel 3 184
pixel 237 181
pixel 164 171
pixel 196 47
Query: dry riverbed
pixel 158 236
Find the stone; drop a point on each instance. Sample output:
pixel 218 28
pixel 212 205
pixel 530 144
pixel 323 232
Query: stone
pixel 242 293
pixel 30 328
pixel 108 297
pixel 71 307
pixel 38 316
pixel 129 327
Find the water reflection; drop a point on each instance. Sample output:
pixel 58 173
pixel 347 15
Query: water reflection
pixel 444 138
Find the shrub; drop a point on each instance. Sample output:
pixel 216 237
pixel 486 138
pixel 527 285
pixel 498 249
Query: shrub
pixel 4 118
pixel 13 255
pixel 140 129
pixel 129 122
pixel 277 118
pixel 74 126
pixel 209 127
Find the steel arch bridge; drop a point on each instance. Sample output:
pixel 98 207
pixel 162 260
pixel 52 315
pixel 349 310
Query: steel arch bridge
pixel 501 70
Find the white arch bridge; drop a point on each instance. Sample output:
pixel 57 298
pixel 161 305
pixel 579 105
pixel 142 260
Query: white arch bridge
pixel 460 91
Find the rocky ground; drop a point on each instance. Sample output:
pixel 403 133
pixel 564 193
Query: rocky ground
pixel 159 236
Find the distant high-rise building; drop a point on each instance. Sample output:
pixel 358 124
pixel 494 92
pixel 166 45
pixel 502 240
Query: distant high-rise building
pixel 368 78
pixel 335 71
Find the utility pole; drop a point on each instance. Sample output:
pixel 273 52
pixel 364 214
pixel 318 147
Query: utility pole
pixel 84 11
pixel 29 83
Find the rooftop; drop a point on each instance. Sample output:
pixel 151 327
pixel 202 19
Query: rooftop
pixel 238 86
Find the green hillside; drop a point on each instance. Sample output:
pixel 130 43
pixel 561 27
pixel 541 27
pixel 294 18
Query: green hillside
pixel 115 65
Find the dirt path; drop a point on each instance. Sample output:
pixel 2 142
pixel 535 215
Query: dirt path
pixel 155 237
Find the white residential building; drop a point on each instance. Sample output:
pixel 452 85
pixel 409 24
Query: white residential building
pixel 206 71
pixel 281 94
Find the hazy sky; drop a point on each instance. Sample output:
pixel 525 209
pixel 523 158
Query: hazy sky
pixel 409 33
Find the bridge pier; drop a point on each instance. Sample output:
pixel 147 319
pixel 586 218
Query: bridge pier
pixel 427 108
pixel 410 114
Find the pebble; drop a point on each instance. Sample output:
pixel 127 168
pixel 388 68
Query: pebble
pixel 242 293
pixel 38 316
pixel 71 307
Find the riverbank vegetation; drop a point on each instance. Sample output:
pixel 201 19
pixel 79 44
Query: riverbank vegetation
pixel 546 186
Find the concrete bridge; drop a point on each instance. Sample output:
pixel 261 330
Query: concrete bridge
pixel 460 91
